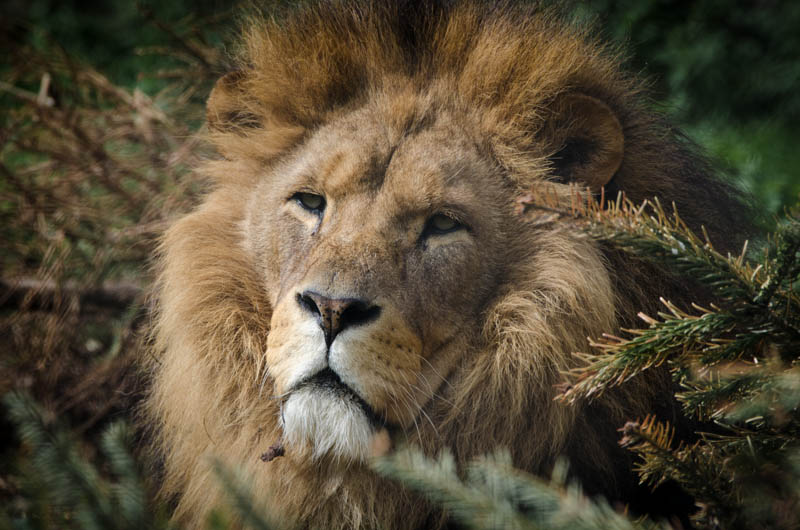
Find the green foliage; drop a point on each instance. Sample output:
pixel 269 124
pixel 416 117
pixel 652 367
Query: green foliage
pixel 62 489
pixel 758 301
pixel 728 73
pixel 241 500
pixel 712 57
pixel 90 173
pixel 736 362
pixel 494 495
pixel 120 38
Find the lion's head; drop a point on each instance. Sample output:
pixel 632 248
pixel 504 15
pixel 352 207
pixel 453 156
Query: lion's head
pixel 358 278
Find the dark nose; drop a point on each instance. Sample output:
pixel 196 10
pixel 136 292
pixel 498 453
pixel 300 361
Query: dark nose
pixel 336 314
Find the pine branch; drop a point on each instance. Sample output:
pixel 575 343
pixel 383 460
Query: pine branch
pixel 67 490
pixel 757 302
pixel 617 359
pixel 438 480
pixel 647 231
pixel 693 467
pixel 738 362
pixel 714 391
pixel 774 402
pixel 495 495
pixel 242 502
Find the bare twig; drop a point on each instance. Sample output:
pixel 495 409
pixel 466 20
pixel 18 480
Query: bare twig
pixel 30 292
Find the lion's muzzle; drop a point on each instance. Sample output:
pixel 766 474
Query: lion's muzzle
pixel 326 416
pixel 329 381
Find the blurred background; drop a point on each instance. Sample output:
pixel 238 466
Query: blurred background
pixel 99 101
pixel 728 72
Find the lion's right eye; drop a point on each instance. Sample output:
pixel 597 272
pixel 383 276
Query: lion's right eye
pixel 310 201
pixel 441 224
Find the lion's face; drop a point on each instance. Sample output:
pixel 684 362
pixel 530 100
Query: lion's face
pixel 358 270
pixel 379 252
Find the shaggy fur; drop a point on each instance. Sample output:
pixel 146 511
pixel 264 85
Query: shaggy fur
pixel 395 114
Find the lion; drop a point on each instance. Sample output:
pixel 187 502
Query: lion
pixel 358 278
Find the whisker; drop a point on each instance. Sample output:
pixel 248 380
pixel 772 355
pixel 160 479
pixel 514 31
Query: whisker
pixel 436 372
pixel 407 389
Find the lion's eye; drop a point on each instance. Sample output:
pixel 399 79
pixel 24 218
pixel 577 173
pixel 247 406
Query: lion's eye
pixel 310 201
pixel 442 224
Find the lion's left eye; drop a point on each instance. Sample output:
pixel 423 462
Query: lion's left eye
pixel 442 224
pixel 310 201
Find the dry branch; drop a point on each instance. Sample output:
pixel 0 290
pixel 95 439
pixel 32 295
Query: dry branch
pixel 33 294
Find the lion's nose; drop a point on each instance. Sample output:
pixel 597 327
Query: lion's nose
pixel 336 314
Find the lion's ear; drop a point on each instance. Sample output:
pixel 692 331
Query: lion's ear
pixel 226 108
pixel 589 141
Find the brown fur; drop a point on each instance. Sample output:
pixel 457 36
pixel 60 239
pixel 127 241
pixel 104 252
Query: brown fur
pixel 393 114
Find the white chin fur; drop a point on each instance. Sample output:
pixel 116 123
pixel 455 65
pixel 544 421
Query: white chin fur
pixel 329 423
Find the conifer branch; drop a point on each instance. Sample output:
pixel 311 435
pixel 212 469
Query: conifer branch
pixel 757 302
pixel 494 495
pixel 693 467
pixel 240 495
pixel 737 362
pixel 67 490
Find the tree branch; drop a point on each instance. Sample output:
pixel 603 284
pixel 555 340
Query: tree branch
pixel 30 293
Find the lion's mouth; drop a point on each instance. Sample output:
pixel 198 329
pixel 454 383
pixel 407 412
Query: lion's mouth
pixel 327 380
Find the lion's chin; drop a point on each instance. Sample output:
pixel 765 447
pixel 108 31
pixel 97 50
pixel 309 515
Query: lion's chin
pixel 330 424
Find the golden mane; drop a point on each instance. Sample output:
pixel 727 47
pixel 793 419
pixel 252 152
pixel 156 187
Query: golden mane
pixel 508 65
